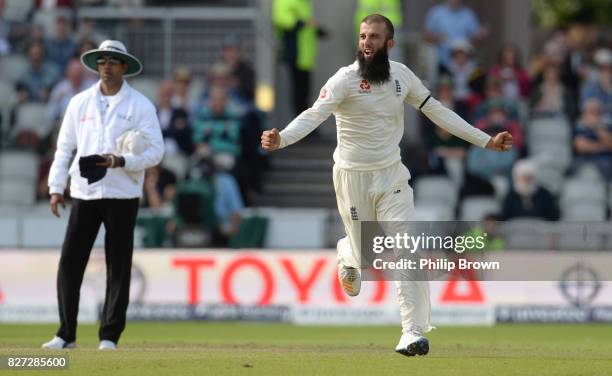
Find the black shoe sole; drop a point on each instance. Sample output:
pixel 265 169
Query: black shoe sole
pixel 420 347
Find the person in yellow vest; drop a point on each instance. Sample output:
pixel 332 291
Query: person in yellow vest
pixel 298 33
pixel 392 9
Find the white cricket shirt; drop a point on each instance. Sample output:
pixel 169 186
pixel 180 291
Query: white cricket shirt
pixel 370 118
pixel 91 125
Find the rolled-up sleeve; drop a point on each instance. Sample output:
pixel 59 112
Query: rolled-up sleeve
pixel 150 129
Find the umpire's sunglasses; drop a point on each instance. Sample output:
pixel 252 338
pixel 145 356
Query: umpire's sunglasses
pixel 110 60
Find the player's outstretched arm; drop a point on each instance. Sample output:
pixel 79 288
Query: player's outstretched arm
pixel 500 142
pixel 270 140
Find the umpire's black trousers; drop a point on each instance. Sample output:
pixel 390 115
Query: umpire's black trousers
pixel 119 219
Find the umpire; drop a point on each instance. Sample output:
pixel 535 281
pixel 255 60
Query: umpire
pixel 105 185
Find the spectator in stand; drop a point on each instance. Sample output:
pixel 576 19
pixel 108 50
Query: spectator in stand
pixel 227 201
pixel 602 87
pixel 55 4
pixel 484 165
pixel 217 128
pixel 498 118
pixel 86 31
pixel 174 122
pixel 159 187
pixel 75 80
pixel 488 229
pixel 37 81
pixel 445 23
pixel 550 97
pixel 494 92
pixel 554 52
pixel 61 47
pixel 220 76
pixel 241 70
pixel 182 86
pixel 573 69
pixel 527 198
pixel 446 151
pixel 228 204
pixel 5 32
pixel 84 46
pixel 593 139
pixel 468 78
pixel 509 69
pixel 10 32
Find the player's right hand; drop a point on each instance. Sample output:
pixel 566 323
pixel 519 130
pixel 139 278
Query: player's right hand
pixel 56 198
pixel 270 140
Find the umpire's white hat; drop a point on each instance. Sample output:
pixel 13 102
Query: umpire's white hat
pixel 112 48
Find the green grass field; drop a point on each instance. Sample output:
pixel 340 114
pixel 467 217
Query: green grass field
pixel 194 348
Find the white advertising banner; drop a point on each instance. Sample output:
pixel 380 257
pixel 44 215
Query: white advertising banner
pixel 305 282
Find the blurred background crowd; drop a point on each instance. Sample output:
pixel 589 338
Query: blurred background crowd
pixel 555 99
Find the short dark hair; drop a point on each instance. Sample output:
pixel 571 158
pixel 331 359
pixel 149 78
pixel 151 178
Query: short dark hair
pixel 379 18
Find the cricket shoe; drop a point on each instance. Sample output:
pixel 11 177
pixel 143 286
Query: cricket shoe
pixel 58 343
pixel 349 277
pixel 411 344
pixel 350 280
pixel 107 345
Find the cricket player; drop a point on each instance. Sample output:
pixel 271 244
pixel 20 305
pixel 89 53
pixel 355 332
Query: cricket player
pixel 367 99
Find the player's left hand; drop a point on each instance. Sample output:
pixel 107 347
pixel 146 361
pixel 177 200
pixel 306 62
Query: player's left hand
pixel 500 142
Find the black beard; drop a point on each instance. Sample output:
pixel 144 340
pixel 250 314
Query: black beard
pixel 377 70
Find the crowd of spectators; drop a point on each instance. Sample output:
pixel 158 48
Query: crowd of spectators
pixel 568 83
pixel 215 133
pixel 211 132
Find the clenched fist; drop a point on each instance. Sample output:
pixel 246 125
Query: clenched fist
pixel 500 142
pixel 270 140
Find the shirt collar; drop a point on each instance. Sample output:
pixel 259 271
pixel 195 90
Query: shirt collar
pixel 114 98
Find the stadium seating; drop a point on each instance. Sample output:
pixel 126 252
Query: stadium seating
pixel 18 10
pixel 18 173
pixel 527 233
pixel 583 200
pixel 476 207
pixel 18 165
pixel 147 86
pixel 549 173
pixel 549 144
pixel 435 191
pixel 581 191
pixel 584 212
pixel 8 97
pixel 17 192
pixel 12 67
pixel 548 130
pixel 177 163
pixel 610 196
pixel 589 236
pixel 8 230
pixel 46 19
pixel 33 117
pixel 434 212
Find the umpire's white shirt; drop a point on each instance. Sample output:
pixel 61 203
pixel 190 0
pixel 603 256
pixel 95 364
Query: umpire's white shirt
pixel 91 125
pixel 370 118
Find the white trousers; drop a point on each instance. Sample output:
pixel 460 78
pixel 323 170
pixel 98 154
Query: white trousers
pixel 381 195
